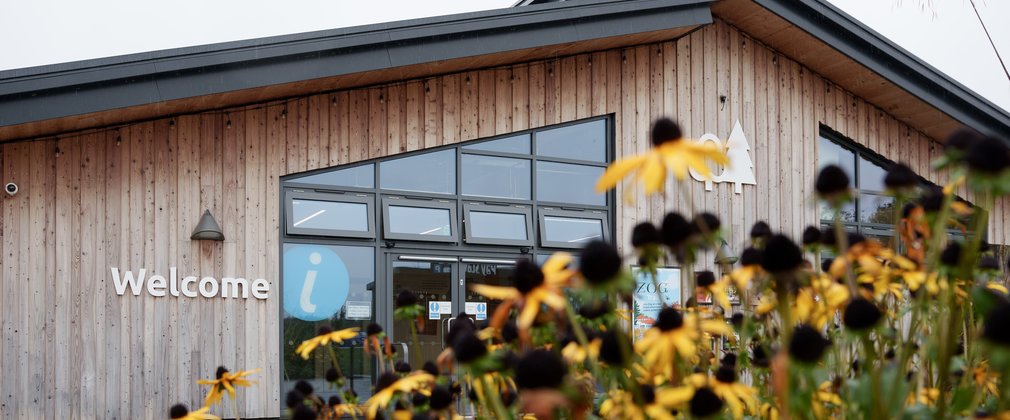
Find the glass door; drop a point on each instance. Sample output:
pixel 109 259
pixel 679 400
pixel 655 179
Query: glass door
pixel 491 271
pixel 432 279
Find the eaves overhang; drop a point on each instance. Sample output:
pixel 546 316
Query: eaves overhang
pixel 56 91
pixel 865 46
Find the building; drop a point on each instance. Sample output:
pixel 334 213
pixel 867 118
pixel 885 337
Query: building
pixel 356 162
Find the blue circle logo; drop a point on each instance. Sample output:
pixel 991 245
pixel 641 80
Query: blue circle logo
pixel 315 282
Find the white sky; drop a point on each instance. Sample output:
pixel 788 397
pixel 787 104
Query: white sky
pixel 944 33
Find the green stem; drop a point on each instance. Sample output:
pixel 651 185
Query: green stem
pixel 842 243
pixel 869 357
pixel 417 347
pixel 496 403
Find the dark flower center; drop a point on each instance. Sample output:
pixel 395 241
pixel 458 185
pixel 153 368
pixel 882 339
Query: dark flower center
pixel 402 367
pixel 294 399
pixel 900 176
pixel 781 254
pixel 807 344
pixel 221 370
pixel 705 403
pixel 988 156
pixel 811 235
pixel 961 140
pixel 751 256
pixel 303 413
pixel 431 368
pixel 323 330
pixel 760 230
pixel 599 262
pixel 996 322
pixel 332 375
pixel 951 255
pixel 729 360
pixel 669 319
pixel 932 199
pixel 861 314
pixel 705 278
pixel 440 398
pixel 726 374
pixel 595 309
pixel 831 180
pixel 759 356
pixel 664 130
pixel 988 262
pixel 706 223
pixel 386 380
pixel 648 394
pixel 527 276
pixel 540 369
pixel 737 319
pixel 178 411
pixel 304 387
pixel 334 400
pixel 467 347
pixel 406 298
pixel 645 233
pixel 676 230
pixel 610 348
pixel 373 329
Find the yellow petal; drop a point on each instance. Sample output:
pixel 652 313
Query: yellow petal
pixel 495 292
pixel 617 171
pixel 653 174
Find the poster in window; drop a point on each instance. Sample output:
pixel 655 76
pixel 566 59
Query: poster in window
pixel 650 296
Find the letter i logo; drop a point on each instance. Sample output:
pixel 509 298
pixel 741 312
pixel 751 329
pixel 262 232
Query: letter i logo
pixel 315 282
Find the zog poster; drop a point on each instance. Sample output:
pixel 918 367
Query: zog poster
pixel 649 297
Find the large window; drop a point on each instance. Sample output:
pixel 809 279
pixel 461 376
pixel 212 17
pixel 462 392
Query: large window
pixel 871 212
pixel 348 231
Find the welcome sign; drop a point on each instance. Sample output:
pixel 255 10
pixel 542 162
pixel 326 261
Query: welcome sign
pixel 191 286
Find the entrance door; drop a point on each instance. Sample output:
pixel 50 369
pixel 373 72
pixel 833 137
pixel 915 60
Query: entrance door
pixel 441 284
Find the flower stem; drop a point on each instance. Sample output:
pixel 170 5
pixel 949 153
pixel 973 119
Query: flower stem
pixel 496 403
pixel 417 347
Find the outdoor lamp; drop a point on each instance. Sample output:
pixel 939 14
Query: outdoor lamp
pixel 207 228
pixel 725 255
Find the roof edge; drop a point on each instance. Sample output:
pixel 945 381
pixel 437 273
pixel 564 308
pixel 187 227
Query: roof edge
pixel 864 45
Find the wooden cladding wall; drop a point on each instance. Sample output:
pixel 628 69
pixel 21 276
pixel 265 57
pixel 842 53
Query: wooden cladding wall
pixel 129 198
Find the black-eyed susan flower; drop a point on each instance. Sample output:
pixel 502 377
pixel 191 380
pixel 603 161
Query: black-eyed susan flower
pixel 861 314
pixel 670 152
pixel 657 403
pixel 760 233
pixel 807 344
pixel 180 412
pixel 540 369
pixel 719 289
pixel 225 381
pixel 440 399
pixel 750 267
pixel 675 334
pixel 467 347
pixel 781 255
pixel 740 398
pixel 832 184
pixel 337 408
pixel 995 326
pixel 811 236
pixel 390 385
pixel 600 265
pixel 304 413
pixel 900 178
pixel 705 402
pixel 534 286
pixel 326 336
pixel 988 156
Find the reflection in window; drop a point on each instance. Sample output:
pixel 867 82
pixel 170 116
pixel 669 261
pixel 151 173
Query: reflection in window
pixel 329 215
pixel 510 226
pixel 359 176
pixel 871 176
pixel 568 183
pixel 490 176
pixel 831 153
pixel 573 231
pixel 517 144
pixel 419 221
pixel 433 172
pixel 356 309
pixel 585 141
pixel 876 208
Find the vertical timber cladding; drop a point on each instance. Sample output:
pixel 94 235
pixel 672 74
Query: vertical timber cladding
pixel 130 197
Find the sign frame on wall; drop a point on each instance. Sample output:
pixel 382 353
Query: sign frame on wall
pixel 647 301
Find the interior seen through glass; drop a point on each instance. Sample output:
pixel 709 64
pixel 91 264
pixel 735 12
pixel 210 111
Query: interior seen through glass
pixel 419 221
pixel 572 230
pixel 330 215
pixel 498 225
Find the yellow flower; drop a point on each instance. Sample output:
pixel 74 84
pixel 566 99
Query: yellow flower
pixel 659 403
pixel 738 397
pixel 576 353
pixel 986 379
pixel 675 334
pixel 345 409
pixel 179 412
pixel 326 336
pixel 417 381
pixel 226 381
pixel 676 155
pixel 925 396
pixel 825 400
pixel 769 412
pixel 534 287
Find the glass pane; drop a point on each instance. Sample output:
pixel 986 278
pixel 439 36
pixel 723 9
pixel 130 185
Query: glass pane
pixel 829 152
pixel 327 285
pixel 875 208
pixel 317 214
pixel 572 230
pixel 431 172
pixel 359 176
pixel 871 176
pixel 848 212
pixel 419 221
pixel 494 274
pixel 518 144
pixel 497 225
pixel 586 141
pixel 489 176
pixel 567 183
pixel 432 282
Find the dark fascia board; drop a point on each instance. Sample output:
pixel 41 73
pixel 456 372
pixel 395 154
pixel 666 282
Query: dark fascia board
pixel 62 90
pixel 867 47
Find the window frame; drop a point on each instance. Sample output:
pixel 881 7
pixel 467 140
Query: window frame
pixel 437 204
pixel 329 196
pixel 521 209
pixel 571 214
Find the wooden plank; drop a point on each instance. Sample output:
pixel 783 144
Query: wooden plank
pixel 552 92
pixel 376 122
pixel 67 201
pixel 486 104
pixel 396 118
pixel 433 118
pixel 628 139
pixel 598 65
pixel 568 83
pixel 313 136
pixel 450 113
pixel 503 101
pixel 749 124
pixel 520 98
pixel 357 130
pixel 340 138
pixel 468 106
pixel 583 85
pixel 537 96
pixel 414 121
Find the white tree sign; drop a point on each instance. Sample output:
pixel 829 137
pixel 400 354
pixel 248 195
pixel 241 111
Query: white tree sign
pixel 740 170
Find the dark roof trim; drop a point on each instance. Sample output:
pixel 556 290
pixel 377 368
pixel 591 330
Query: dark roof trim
pixel 862 44
pixel 55 91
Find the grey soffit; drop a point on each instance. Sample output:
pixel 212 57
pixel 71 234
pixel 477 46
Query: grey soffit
pixel 865 46
pixel 61 90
